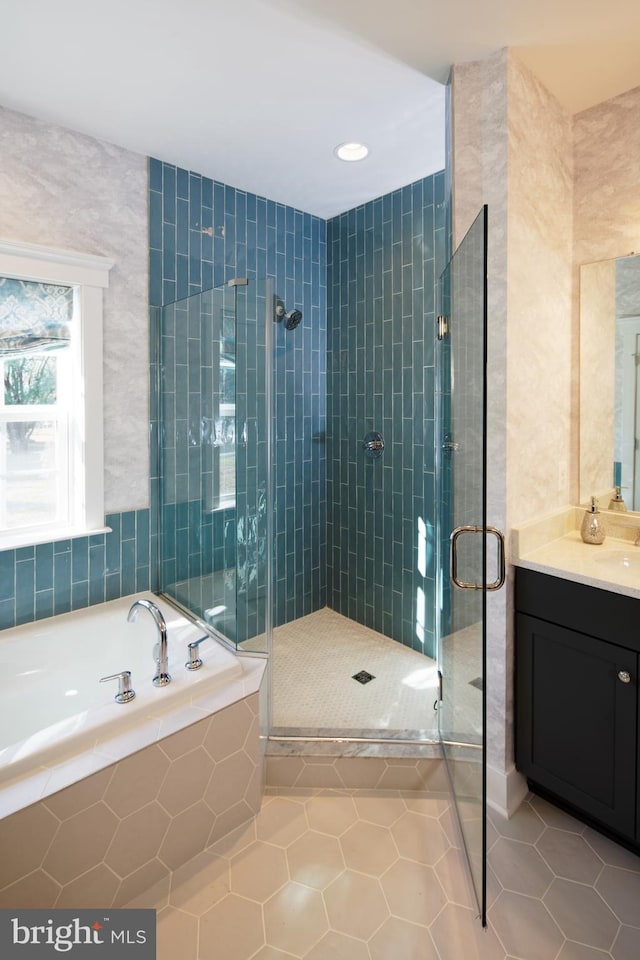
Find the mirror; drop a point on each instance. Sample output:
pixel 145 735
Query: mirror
pixel 610 379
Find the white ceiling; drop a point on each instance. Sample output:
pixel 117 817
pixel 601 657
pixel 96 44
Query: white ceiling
pixel 257 93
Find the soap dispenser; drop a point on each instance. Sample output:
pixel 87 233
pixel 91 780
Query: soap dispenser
pixel 592 529
pixel 617 503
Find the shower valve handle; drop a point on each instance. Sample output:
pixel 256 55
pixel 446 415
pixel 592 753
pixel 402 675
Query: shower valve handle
pixel 125 690
pixel 373 445
pixel 194 662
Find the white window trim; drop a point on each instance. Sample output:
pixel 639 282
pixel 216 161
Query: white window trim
pixel 89 274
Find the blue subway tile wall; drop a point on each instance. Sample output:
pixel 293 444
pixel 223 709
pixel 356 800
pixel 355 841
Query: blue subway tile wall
pixel 383 259
pixel 51 578
pixel 202 234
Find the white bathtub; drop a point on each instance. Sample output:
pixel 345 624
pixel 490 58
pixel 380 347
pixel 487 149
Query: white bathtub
pixel 52 705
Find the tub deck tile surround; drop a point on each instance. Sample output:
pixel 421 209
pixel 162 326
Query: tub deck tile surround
pixel 123 828
pixel 105 750
pixel 46 750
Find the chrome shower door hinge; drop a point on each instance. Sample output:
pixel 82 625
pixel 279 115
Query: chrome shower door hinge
pixel 443 327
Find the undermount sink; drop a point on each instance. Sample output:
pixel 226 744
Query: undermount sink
pixel 619 560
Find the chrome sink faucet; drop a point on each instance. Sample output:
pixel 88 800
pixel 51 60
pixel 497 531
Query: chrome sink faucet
pixel 162 677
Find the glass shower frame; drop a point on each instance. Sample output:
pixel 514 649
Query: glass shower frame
pixel 212 399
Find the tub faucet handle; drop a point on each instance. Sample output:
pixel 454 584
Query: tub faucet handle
pixel 160 655
pixel 194 662
pixel 125 690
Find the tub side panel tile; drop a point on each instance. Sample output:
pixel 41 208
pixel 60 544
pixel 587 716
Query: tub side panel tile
pixel 80 842
pixel 96 888
pixel 136 781
pixel 137 839
pixel 187 835
pixel 24 839
pixel 36 890
pixel 66 803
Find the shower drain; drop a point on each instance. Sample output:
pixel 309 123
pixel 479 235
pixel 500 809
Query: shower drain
pixel 363 677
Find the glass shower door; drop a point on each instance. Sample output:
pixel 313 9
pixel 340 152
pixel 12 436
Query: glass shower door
pixel 462 538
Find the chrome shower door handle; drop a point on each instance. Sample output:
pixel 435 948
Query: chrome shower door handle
pixel 462 584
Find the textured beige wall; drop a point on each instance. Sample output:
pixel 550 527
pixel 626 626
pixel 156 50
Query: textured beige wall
pixel 540 348
pixel 479 162
pixel 512 150
pixel 63 189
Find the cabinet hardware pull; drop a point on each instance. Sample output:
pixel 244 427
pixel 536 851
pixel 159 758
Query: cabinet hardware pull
pixel 625 676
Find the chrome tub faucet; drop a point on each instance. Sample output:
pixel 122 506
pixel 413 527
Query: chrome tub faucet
pixel 162 677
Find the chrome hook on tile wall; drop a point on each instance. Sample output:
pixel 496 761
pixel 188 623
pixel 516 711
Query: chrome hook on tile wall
pixel 373 445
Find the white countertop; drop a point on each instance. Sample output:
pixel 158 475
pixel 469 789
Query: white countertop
pixel 613 565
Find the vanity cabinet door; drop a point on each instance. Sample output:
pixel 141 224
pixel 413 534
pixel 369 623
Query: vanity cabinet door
pixel 576 720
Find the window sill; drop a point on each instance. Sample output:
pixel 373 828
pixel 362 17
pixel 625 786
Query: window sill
pixel 11 541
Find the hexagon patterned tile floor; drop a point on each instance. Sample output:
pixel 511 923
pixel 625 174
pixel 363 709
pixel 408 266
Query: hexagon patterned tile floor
pixel 320 875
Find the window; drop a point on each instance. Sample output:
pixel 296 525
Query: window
pixel 51 460
pixel 36 404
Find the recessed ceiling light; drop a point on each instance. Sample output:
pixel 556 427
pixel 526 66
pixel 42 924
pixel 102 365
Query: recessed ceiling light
pixel 351 151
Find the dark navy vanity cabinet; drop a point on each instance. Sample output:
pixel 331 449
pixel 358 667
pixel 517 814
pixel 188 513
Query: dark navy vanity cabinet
pixel 576 697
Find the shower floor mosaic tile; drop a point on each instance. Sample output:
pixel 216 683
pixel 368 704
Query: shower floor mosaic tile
pixel 316 658
pixel 365 875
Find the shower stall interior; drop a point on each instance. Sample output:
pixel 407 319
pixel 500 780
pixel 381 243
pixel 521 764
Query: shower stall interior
pixel 317 444
pixel 284 527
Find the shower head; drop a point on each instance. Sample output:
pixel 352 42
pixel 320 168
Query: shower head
pixel 291 319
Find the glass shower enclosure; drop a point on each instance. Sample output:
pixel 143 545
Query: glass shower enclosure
pixel 214 456
pixel 230 485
